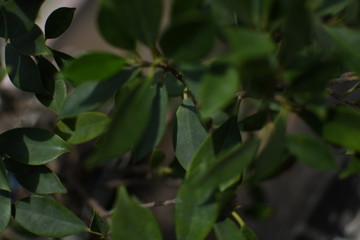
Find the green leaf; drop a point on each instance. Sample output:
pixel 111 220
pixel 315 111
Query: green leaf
pixel 32 146
pixel 18 17
pixel 24 72
pixel 219 141
pixel 89 96
pixel 31 43
pixel 352 168
pixel 5 209
pixel 36 179
pixel 342 127
pixel 132 115
pixel 189 133
pixel 58 21
pixel 99 224
pixel 157 124
pixel 188 40
pixel 173 86
pixel 46 217
pixel 61 58
pixel 227 230
pixel 88 126
pixel 311 151
pixel 331 7
pixel 94 66
pixel 217 88
pixel 248 234
pixel 54 85
pixel 131 221
pixel 4 181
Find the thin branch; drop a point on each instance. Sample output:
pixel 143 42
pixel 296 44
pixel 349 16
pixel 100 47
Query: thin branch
pixel 345 77
pixel 343 99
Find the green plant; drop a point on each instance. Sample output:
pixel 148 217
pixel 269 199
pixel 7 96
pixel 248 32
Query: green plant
pixel 237 70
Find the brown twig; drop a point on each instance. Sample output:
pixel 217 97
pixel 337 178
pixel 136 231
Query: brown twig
pixel 343 99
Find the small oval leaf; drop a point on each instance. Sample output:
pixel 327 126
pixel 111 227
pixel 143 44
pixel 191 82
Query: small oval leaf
pixel 58 21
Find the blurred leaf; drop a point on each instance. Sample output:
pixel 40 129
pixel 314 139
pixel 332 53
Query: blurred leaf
pixel 173 86
pixel 131 117
pixel 189 132
pixel 247 234
pixel 55 86
pixel 18 17
pixel 157 124
pixel 3 73
pixel 31 43
pixel 36 179
pixel 139 19
pixel 94 66
pixel 4 181
pixel 5 209
pixel 342 127
pixel 99 224
pixel 58 21
pixel 246 45
pixel 88 126
pixel 272 148
pixel 352 168
pixel 227 230
pixel 32 146
pixel 46 217
pixel 24 72
pixel 188 40
pixel 332 7
pixel 218 142
pixel 131 221
pixel 89 96
pixel 311 151
pixel 217 88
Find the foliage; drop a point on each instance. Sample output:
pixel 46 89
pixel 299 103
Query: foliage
pixel 236 71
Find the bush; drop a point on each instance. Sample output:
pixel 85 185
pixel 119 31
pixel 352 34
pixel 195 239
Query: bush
pixel 235 70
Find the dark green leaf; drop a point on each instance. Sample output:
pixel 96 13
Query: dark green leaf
pixel 188 40
pixel 332 7
pixel 32 146
pixel 227 230
pixel 36 179
pixel 5 209
pixel 46 217
pixel 247 234
pixel 99 224
pixel 157 124
pixel 130 120
pixel 352 168
pixel 88 126
pixel 4 181
pixel 55 86
pixel 90 96
pixel 311 151
pixel 94 66
pixel 342 127
pixel 18 17
pixel 217 89
pixel 58 21
pixel 173 86
pixel 24 72
pixel 31 43
pixel 189 132
pixel 61 58
pixel 131 221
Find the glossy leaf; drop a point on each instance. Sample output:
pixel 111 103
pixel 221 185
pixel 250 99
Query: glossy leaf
pixel 94 66
pixel 24 72
pixel 219 141
pixel 32 146
pixel 18 17
pixel 54 85
pixel 31 43
pixel 195 41
pixel 46 217
pixel 130 120
pixel 88 126
pixel 89 96
pixel 189 133
pixel 227 230
pixel 4 181
pixel 311 151
pixel 58 21
pixel 99 224
pixel 342 127
pixel 36 179
pixel 218 87
pixel 157 124
pixel 5 209
pixel 131 221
